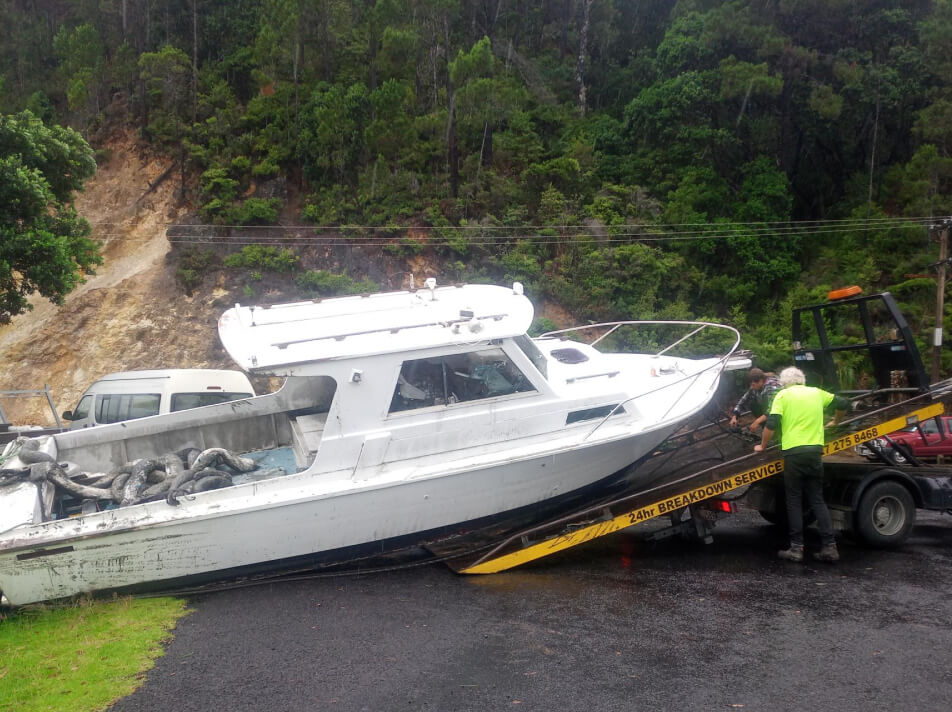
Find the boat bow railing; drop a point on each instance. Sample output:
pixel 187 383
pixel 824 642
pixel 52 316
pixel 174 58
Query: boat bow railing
pixel 699 327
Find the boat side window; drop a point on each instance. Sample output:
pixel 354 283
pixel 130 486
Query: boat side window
pixel 185 401
pixel 114 408
pixel 602 411
pixel 457 379
pixel 532 351
pixel 82 410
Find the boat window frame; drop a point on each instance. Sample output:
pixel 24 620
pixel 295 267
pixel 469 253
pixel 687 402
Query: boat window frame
pixel 532 390
pixel 528 347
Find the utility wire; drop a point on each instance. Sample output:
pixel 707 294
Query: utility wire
pixel 608 236
pixel 793 223
pixel 357 241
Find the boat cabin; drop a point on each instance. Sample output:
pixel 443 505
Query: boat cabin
pixel 378 379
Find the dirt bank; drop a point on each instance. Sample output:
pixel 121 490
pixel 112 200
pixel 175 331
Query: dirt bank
pixel 129 315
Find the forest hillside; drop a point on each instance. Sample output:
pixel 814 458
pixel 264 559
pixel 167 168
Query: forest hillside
pixel 622 158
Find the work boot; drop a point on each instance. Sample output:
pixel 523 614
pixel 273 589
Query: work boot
pixel 827 553
pixel 794 553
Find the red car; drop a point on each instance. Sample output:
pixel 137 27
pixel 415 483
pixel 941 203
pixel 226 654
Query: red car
pixel 926 440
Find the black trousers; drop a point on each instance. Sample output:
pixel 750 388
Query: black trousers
pixel 803 477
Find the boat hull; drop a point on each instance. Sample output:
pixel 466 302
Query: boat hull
pixel 242 528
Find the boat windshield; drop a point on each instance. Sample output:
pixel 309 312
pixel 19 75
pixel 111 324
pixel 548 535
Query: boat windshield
pixel 532 351
pixel 457 378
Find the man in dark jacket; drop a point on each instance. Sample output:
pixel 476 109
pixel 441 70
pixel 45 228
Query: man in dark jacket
pixel 797 411
pixel 763 388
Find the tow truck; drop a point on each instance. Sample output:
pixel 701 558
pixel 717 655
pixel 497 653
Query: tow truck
pixel 864 338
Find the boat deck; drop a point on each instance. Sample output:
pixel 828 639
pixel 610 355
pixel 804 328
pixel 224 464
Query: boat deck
pixel 275 462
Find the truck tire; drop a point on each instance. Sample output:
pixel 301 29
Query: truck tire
pixel 778 516
pixel 770 501
pixel 885 514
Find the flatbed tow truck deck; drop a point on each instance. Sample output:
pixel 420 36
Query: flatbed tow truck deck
pixel 876 501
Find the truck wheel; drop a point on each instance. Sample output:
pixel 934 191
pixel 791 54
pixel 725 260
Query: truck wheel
pixel 770 501
pixel 778 517
pixel 885 514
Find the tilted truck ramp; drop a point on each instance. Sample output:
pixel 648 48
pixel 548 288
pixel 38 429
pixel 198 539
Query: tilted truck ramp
pixel 729 477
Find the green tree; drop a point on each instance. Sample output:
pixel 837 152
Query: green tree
pixel 165 76
pixel 486 96
pixel 332 131
pixel 82 69
pixel 44 243
pixel 936 35
pixel 278 44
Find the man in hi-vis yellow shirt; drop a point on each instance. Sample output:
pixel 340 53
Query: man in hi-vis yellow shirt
pixel 797 411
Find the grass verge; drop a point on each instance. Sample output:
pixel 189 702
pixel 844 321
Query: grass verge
pixel 82 657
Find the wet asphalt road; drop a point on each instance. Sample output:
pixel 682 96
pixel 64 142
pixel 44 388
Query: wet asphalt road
pixel 617 624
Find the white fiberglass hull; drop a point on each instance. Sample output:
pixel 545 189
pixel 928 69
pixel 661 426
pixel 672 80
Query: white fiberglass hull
pixel 408 417
pixel 284 518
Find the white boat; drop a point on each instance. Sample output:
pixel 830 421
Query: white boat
pixel 404 417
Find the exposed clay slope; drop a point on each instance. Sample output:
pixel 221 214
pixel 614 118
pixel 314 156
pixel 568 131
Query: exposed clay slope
pixel 132 314
pixel 129 315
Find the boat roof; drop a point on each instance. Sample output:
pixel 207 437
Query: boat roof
pixel 264 337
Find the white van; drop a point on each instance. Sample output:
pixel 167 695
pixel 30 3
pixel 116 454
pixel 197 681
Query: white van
pixel 137 394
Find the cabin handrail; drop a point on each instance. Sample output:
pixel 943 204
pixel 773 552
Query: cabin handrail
pixel 642 322
pixel 610 374
pixel 391 329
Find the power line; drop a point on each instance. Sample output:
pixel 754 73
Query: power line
pixel 773 224
pixel 197 234
pixel 356 241
pixel 631 231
